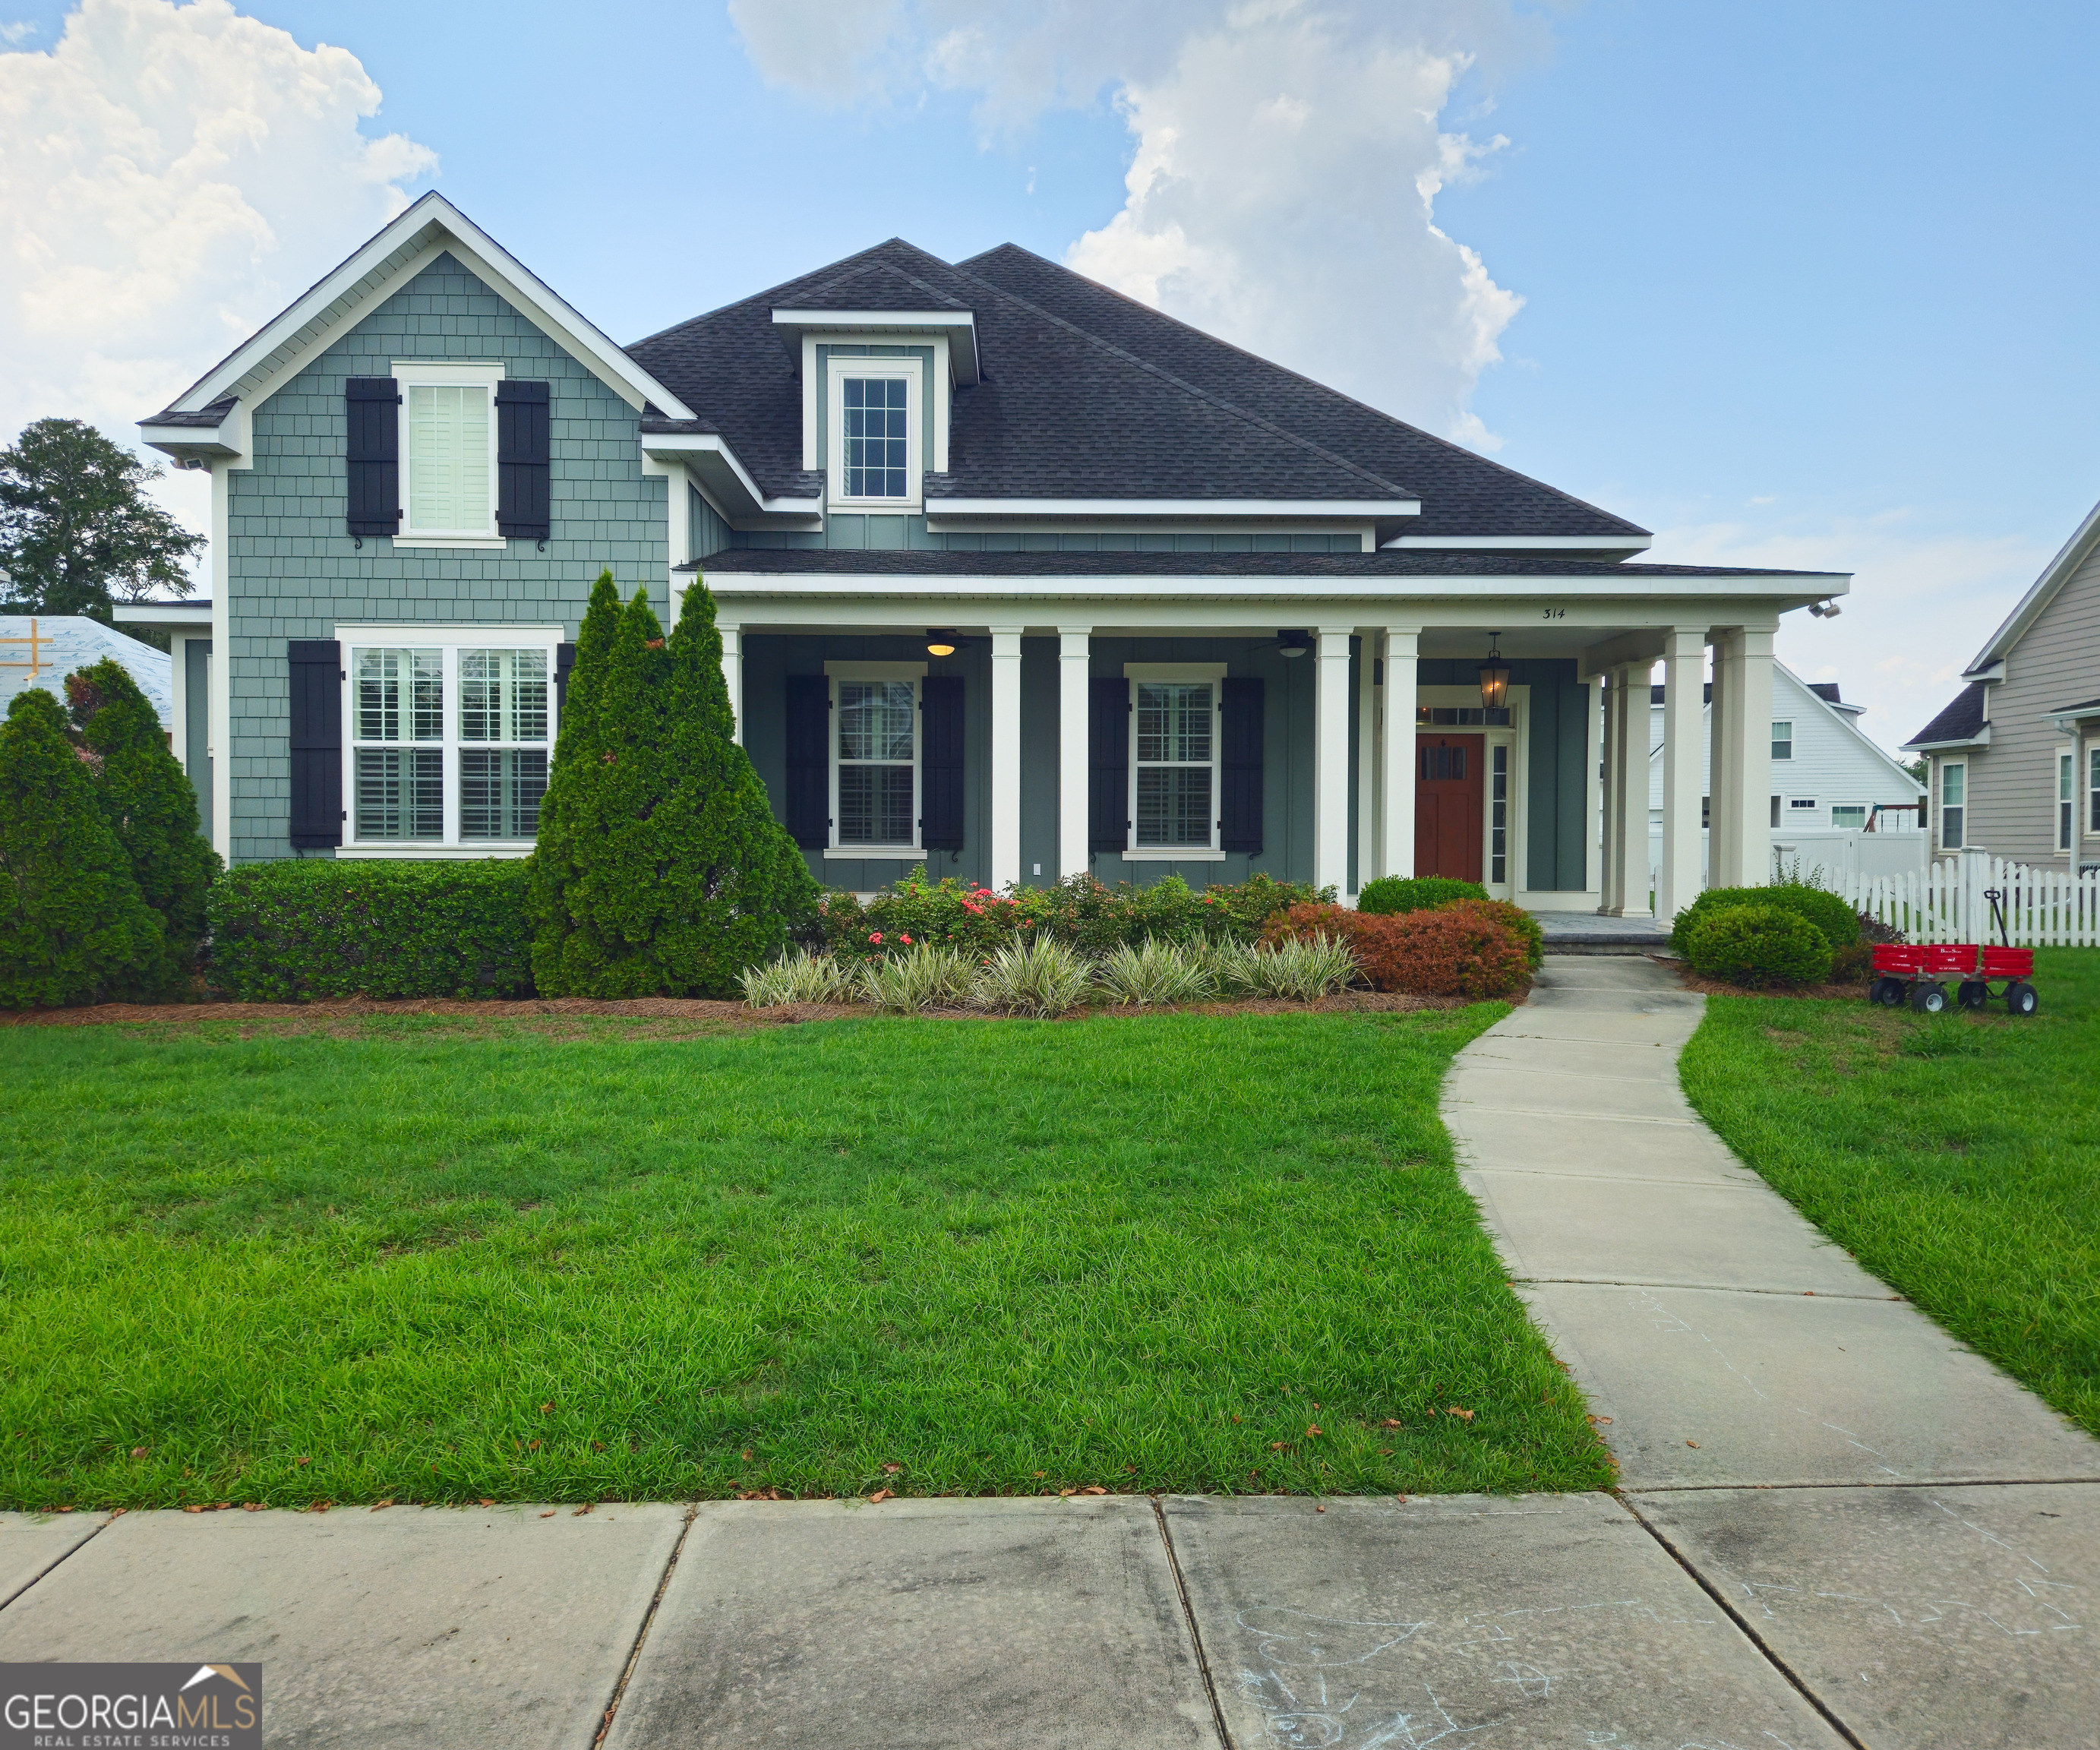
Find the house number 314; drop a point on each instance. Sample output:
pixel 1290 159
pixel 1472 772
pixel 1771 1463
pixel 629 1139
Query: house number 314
pixel 1556 613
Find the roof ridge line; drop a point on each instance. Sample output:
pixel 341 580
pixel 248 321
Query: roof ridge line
pixel 1167 375
pixel 842 263
pixel 1311 382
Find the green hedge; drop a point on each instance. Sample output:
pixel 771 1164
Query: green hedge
pixel 1755 945
pixel 1835 920
pixel 1393 896
pixel 294 932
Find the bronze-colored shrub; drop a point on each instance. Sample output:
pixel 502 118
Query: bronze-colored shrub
pixel 1463 950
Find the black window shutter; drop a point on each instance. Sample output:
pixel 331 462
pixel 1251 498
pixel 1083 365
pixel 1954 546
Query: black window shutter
pixel 1239 767
pixel 941 762
pixel 372 458
pixel 564 665
pixel 809 768
pixel 1108 766
pixel 316 665
pixel 522 512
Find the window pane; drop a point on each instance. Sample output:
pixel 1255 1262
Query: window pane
pixel 1844 814
pixel 503 696
pixel 500 794
pixel 1782 741
pixel 1498 815
pixel 400 795
pixel 876 413
pixel 875 804
pixel 1953 780
pixel 875 720
pixel 400 696
pixel 1174 806
pixel 1174 720
pixel 448 456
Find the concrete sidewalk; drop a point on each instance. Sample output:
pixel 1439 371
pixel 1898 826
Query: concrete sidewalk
pixel 1838 1527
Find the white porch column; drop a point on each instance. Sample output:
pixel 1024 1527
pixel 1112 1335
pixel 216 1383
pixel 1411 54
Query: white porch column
pixel 1330 761
pixel 1073 707
pixel 1724 807
pixel 1626 791
pixel 1396 805
pixel 1683 679
pixel 732 637
pixel 1367 772
pixel 1748 742
pixel 1005 755
pixel 1593 783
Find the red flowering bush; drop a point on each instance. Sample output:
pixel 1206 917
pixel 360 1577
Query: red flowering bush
pixel 1461 950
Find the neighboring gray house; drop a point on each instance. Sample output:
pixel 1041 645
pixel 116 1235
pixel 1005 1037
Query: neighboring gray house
pixel 2015 758
pixel 1016 577
pixel 42 650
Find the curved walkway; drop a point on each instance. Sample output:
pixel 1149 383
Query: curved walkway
pixel 1910 1535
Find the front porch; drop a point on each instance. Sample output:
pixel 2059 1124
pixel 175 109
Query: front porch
pixel 1221 741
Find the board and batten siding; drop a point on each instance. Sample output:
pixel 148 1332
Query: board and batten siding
pixel 2012 782
pixel 293 570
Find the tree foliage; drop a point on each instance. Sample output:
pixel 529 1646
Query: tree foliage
pixel 153 810
pixel 72 926
pixel 77 532
pixel 660 870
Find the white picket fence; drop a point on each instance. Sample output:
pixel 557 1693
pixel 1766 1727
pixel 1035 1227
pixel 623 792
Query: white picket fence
pixel 1947 902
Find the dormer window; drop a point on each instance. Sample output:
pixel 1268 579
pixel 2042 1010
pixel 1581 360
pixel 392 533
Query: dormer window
pixel 875 417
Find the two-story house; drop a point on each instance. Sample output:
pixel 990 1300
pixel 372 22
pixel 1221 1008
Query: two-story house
pixel 1016 576
pixel 2014 758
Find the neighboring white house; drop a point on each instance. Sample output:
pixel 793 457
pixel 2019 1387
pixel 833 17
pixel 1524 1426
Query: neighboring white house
pixel 42 650
pixel 1839 801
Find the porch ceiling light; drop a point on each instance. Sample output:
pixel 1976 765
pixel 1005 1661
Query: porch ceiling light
pixel 1294 643
pixel 1494 675
pixel 940 643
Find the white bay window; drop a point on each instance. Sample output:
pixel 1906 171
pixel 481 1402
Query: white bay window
pixel 449 734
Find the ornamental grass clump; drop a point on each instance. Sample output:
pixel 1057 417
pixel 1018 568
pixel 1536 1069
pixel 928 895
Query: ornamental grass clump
pixel 924 976
pixel 1044 978
pixel 1758 945
pixel 799 976
pixel 1300 970
pixel 1153 972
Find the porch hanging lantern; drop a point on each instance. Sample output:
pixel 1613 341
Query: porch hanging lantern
pixel 940 643
pixel 1294 643
pixel 1494 675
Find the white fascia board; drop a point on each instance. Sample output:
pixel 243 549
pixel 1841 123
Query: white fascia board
pixel 483 256
pixel 1688 599
pixel 1065 509
pixel 2073 554
pixel 164 614
pixel 958 326
pixel 1981 739
pixel 724 480
pixel 192 443
pixel 1523 542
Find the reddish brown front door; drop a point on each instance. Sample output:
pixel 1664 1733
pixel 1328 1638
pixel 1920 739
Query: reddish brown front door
pixel 1447 788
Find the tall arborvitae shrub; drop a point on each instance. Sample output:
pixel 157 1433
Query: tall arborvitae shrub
pixel 73 928
pixel 660 870
pixel 152 809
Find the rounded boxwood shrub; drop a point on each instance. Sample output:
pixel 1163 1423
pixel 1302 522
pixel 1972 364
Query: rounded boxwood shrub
pixel 1834 919
pixel 1393 896
pixel 1756 946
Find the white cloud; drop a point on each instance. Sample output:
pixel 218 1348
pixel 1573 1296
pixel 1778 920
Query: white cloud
pixel 1922 603
pixel 169 178
pixel 1287 156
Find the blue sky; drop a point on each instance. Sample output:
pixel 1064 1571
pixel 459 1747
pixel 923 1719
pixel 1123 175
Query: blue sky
pixel 1801 283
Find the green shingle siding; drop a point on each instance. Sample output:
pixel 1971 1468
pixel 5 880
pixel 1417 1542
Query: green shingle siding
pixel 294 573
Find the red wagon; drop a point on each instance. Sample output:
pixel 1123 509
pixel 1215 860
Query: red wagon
pixel 1914 972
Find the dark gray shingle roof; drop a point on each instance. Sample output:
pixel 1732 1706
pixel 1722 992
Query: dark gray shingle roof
pixel 1962 721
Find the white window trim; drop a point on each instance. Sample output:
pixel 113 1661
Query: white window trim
pixel 410 372
pixel 909 370
pixel 1864 809
pixel 1214 851
pixel 1939 804
pixel 1789 722
pixel 450 641
pixel 2062 827
pixel 2093 790
pixel 916 673
pixel 1806 804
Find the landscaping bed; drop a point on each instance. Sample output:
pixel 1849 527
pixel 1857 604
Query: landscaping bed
pixel 1954 1155
pixel 1193 1251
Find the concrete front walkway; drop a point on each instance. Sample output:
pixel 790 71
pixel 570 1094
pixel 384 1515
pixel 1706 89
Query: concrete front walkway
pixel 1838 1527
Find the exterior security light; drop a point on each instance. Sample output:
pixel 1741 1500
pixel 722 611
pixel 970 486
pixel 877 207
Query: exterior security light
pixel 1294 643
pixel 940 643
pixel 1494 675
pixel 1824 609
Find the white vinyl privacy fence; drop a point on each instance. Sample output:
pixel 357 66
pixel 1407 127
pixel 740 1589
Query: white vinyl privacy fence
pixel 1948 902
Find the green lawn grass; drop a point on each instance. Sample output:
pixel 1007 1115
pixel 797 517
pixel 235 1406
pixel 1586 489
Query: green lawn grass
pixel 1956 1155
pixel 441 1264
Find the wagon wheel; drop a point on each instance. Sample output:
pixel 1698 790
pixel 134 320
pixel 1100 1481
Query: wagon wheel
pixel 2020 998
pixel 1973 994
pixel 1928 997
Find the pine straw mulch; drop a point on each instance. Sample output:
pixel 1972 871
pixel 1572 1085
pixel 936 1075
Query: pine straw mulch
pixel 1715 987
pixel 652 1017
